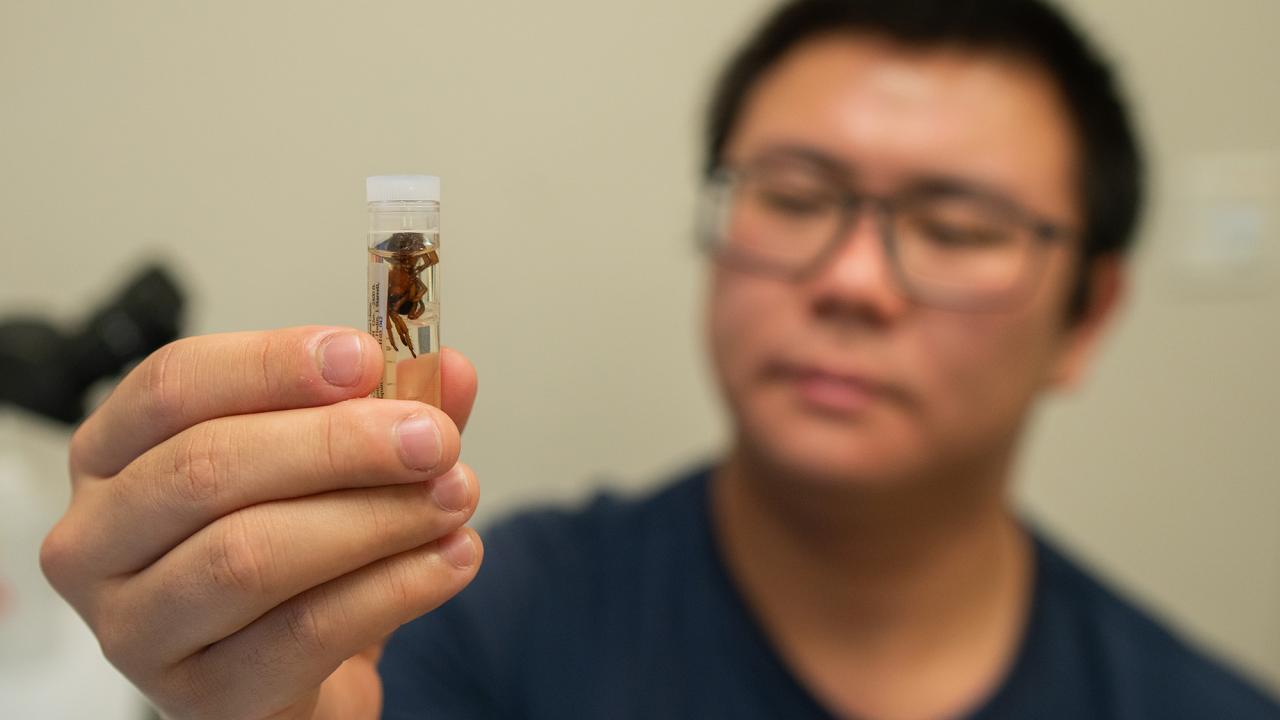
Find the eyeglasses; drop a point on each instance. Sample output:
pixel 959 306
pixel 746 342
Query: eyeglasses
pixel 949 245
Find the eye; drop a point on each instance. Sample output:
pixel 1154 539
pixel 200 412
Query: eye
pixel 797 203
pixel 957 235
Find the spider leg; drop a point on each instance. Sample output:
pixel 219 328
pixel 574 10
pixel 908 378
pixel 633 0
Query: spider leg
pixel 391 316
pixel 403 331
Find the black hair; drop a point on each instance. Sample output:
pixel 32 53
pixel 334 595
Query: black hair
pixel 1110 165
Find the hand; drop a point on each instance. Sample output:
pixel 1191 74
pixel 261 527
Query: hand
pixel 246 526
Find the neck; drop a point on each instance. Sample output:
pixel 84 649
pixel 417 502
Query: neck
pixel 879 582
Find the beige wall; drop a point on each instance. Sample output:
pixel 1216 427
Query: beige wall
pixel 233 138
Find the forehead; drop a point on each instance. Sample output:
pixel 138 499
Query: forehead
pixel 891 113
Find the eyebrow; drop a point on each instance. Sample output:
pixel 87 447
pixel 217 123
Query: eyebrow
pixel 938 184
pixel 809 155
pixel 954 186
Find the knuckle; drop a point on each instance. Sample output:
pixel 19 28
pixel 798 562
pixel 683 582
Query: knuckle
pixel 351 427
pixel 189 691
pixel 199 467
pixel 57 554
pixel 162 380
pixel 115 642
pixel 78 451
pixel 262 360
pixel 303 625
pixel 280 363
pixel 237 562
pixel 376 517
pixel 400 587
pixel 330 442
pixel 119 629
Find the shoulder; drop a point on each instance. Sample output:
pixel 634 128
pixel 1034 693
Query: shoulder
pixel 1151 671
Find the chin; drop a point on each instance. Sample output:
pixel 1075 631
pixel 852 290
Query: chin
pixel 834 472
pixel 829 453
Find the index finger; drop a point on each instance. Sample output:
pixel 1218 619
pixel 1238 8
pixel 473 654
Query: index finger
pixel 201 378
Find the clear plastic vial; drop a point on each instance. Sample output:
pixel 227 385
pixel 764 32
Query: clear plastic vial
pixel 404 264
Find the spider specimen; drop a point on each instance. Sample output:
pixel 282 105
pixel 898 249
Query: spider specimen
pixel 410 256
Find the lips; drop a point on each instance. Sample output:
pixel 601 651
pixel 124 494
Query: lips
pixel 831 391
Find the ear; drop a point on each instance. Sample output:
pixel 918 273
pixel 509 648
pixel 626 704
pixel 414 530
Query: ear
pixel 1108 284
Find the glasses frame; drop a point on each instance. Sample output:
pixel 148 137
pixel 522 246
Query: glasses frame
pixel 851 203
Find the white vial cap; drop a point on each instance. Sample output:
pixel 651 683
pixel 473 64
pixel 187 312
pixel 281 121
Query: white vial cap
pixel 392 188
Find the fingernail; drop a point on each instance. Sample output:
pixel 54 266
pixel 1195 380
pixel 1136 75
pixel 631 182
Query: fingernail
pixel 450 491
pixel 420 444
pixel 341 359
pixel 459 550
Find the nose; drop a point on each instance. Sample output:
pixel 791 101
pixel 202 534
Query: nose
pixel 856 282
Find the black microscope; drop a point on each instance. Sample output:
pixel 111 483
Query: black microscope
pixel 49 371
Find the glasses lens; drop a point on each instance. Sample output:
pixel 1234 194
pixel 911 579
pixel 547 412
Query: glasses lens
pixel 782 219
pixel 960 247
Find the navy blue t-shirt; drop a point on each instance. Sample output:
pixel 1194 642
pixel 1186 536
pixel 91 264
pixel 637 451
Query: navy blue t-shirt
pixel 624 610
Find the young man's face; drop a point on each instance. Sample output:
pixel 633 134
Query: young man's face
pixel 839 376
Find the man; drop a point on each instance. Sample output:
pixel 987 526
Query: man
pixel 916 213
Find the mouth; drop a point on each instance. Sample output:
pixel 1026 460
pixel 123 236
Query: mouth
pixel 830 391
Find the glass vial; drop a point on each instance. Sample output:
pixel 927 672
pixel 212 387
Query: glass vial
pixel 404 264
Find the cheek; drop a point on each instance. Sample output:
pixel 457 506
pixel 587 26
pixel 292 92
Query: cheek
pixel 729 308
pixel 996 365
pixel 746 321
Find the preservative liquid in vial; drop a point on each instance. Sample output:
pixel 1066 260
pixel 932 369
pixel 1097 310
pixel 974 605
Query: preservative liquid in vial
pixel 404 264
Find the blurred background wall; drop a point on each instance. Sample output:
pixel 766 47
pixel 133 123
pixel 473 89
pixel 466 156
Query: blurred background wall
pixel 231 139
